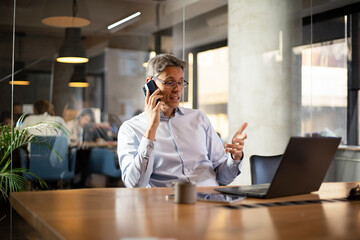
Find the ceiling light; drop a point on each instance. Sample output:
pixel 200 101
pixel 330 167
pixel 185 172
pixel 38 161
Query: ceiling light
pixel 78 84
pixel 20 76
pixel 72 50
pixel 20 83
pixel 59 13
pixel 124 20
pixel 78 79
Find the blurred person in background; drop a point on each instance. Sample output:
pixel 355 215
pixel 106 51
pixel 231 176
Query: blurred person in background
pixel 76 127
pixel 84 128
pixel 43 111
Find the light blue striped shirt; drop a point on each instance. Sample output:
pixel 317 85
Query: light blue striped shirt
pixel 186 148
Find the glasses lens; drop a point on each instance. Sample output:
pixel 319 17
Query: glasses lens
pixel 172 84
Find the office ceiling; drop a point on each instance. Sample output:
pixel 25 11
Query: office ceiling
pixel 105 12
pixel 156 16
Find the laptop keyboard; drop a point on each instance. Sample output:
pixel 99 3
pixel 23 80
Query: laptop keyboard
pixel 257 189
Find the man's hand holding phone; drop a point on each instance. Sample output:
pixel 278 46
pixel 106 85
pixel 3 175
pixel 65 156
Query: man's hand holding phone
pixel 152 111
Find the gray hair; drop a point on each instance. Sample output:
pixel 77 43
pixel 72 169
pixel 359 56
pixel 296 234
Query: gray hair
pixel 157 64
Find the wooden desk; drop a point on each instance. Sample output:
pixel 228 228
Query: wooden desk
pixel 119 213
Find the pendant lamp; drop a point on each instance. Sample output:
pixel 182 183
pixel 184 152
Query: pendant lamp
pixel 72 50
pixel 78 79
pixel 65 13
pixel 20 76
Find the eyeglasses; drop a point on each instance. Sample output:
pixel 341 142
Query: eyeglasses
pixel 171 84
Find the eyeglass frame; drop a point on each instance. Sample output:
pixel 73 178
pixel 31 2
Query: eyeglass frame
pixel 167 84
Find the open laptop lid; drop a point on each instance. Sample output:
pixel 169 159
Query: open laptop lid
pixel 302 167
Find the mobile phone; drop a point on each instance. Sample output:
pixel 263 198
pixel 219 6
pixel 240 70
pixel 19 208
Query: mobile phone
pixel 214 197
pixel 151 86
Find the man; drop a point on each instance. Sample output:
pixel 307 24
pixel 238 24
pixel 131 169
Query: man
pixel 43 112
pixel 168 143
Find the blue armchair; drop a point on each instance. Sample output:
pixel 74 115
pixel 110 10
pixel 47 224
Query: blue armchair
pixel 46 164
pixel 102 161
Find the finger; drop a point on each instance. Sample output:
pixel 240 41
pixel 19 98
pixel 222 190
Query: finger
pixel 159 104
pixel 242 128
pixel 147 96
pixel 235 145
pixel 155 95
pixel 238 148
pixel 234 150
pixel 242 136
pixel 154 99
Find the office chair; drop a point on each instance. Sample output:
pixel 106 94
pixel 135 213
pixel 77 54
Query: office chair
pixel 102 161
pixel 45 163
pixel 263 168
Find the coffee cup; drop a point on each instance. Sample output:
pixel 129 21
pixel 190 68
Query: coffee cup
pixel 185 192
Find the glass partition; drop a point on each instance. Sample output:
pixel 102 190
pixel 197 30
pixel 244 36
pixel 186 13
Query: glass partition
pixel 288 69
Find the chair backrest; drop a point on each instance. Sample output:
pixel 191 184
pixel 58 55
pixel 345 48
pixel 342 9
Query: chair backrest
pixel 263 168
pixel 103 161
pixel 45 162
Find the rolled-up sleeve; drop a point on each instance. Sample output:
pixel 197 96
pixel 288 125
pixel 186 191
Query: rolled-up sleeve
pixel 135 157
pixel 226 168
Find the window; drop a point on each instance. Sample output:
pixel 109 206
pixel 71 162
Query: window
pixel 324 78
pixel 213 87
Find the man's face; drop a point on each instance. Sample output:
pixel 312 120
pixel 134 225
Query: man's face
pixel 171 95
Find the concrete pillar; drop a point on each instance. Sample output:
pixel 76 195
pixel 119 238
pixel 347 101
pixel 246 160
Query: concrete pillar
pixel 264 71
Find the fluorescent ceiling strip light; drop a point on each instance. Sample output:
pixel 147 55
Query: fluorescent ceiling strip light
pixel 123 20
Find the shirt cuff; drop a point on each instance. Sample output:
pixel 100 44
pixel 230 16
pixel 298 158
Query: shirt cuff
pixel 146 147
pixel 235 164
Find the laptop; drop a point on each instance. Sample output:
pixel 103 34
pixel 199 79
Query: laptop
pixel 301 170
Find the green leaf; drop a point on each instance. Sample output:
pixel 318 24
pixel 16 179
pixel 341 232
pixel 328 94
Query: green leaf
pixel 13 138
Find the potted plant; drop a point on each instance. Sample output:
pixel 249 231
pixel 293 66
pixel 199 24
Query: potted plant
pixel 12 138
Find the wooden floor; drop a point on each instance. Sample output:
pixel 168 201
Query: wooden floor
pixel 17 228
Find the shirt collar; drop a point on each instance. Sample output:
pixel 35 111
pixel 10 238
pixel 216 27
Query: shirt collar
pixel 179 110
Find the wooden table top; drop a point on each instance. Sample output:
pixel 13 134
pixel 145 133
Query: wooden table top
pixel 116 213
